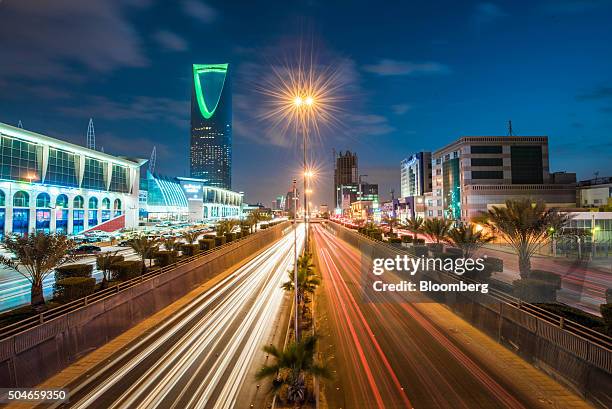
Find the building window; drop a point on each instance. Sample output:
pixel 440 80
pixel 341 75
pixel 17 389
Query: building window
pixel 93 203
pixel 487 162
pixel 61 201
pixel 61 169
pixel 92 216
pixel 119 179
pixel 486 149
pixel 21 219
pixel 43 200
pixel 43 220
pixel 61 220
pixel 93 176
pixel 106 203
pixel 21 199
pixel 487 174
pixel 19 160
pixel 527 165
pixel 2 198
pixel 78 221
pixel 78 202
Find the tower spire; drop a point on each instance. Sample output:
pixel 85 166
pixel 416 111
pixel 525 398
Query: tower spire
pixel 20 124
pixel 153 159
pixel 510 131
pixel 91 135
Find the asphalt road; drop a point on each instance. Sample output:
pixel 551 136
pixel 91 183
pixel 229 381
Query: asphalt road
pixel 387 354
pixel 203 356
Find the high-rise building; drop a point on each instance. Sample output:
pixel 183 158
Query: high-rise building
pixel 416 174
pixel 476 172
pixel 211 125
pixel 345 174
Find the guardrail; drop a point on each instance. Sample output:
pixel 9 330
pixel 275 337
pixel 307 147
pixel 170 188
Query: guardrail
pixel 563 323
pixel 45 316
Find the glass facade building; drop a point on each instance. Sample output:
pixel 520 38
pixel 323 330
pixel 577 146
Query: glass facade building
pixel 211 125
pixel 48 185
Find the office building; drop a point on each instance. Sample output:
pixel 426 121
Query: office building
pixel 367 191
pixel 476 172
pixel 51 186
pixel 211 125
pixel 595 193
pixel 345 174
pixel 416 175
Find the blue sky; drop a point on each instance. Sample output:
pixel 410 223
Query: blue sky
pixel 416 75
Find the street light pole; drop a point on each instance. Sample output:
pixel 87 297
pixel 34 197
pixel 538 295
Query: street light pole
pixel 306 213
pixel 295 259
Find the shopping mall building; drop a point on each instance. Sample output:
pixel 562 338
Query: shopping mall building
pixel 49 185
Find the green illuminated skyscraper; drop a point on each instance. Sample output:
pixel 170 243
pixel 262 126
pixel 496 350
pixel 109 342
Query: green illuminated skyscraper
pixel 211 125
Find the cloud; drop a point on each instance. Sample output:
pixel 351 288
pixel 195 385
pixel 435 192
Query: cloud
pixel 401 109
pixel 486 13
pixel 142 108
pixel 572 6
pixel 48 38
pixel 368 125
pixel 199 11
pixel 170 41
pixel 388 67
pixel 601 92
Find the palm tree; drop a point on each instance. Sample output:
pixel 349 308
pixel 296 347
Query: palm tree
pixel 36 256
pixel 306 278
pixel 144 247
pixel 415 226
pixel 436 229
pixel 525 225
pixel 172 244
pixel 190 236
pixel 225 226
pixel 104 262
pixel 468 238
pixel 391 221
pixel 291 367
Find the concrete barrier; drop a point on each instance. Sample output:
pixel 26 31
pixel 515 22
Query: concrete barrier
pixel 581 364
pixel 30 357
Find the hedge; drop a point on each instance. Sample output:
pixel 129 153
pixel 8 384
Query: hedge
pixel 73 288
pixel 190 249
pixel 113 260
pixel 546 276
pixel 219 240
pixel 126 270
pixel 534 291
pixel 206 244
pixel 230 237
pixel 606 314
pixel 165 258
pixel 73 270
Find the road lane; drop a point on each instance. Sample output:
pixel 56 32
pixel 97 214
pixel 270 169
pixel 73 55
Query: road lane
pixel 384 348
pixel 201 355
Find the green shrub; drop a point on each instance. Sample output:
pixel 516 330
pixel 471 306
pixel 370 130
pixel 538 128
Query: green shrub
pixel 394 240
pixel 534 291
pixel 126 270
pixel 190 249
pixel 165 258
pixel 494 264
pixel 419 241
pixel 206 244
pixel 546 276
pixel 230 237
pixel 219 240
pixel 406 239
pixel 112 260
pixel 73 270
pixel 73 288
pixel 376 235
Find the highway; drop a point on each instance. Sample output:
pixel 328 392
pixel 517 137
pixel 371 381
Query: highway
pixel 387 353
pixel 204 355
pixel 15 289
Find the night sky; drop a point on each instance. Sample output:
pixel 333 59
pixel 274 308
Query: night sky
pixel 415 75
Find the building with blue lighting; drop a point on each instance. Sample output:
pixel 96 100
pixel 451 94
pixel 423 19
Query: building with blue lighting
pixel 186 199
pixel 48 185
pixel 211 125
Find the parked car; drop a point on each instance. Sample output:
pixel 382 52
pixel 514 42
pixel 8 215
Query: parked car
pixel 86 249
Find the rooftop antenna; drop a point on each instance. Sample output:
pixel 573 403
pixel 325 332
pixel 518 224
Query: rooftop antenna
pixel 20 124
pixel 510 131
pixel 102 149
pixel 153 159
pixel 91 135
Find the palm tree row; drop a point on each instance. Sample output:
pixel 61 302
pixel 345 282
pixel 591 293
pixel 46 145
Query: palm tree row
pixel 524 224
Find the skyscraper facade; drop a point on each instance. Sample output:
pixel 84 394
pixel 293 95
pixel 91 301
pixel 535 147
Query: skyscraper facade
pixel 211 125
pixel 345 174
pixel 416 174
